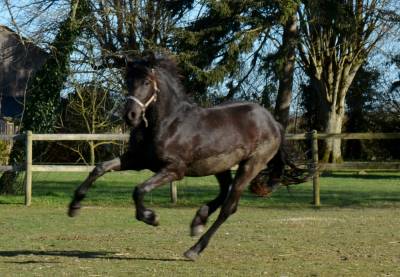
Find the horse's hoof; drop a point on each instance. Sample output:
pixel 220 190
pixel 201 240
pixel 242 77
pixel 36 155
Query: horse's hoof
pixel 73 211
pixel 149 217
pixel 197 230
pixel 191 255
pixel 154 222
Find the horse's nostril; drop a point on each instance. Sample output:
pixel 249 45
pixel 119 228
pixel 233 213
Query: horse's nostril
pixel 131 115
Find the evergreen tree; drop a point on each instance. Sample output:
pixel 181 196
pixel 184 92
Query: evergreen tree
pixel 211 49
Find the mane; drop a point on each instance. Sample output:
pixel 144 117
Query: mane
pixel 169 71
pixel 170 65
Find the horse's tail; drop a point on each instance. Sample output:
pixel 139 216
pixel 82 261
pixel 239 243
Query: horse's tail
pixel 280 170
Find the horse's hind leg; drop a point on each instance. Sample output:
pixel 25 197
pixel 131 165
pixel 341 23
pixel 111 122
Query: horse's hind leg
pixel 246 172
pixel 80 192
pixel 202 215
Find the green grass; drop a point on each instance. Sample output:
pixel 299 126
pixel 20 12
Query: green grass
pixel 355 233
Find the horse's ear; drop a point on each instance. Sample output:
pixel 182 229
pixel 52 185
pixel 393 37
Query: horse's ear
pixel 149 57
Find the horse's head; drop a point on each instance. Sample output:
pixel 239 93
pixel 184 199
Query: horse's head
pixel 142 90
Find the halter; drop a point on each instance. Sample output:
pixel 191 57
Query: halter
pixel 144 106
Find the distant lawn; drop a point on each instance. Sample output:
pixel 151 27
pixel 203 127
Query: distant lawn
pixel 340 189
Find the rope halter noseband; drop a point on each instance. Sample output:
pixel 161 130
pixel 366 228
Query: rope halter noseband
pixel 145 105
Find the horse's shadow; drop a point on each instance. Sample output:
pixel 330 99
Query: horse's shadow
pixel 82 255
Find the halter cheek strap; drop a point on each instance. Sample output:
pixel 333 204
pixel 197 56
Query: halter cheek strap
pixel 144 106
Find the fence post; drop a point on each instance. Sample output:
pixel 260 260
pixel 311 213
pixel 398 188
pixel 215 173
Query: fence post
pixel 28 169
pixel 174 192
pixel 314 151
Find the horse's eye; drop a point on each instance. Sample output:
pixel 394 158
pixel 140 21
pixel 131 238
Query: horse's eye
pixel 147 83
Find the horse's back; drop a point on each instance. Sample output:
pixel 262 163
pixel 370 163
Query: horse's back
pixel 246 120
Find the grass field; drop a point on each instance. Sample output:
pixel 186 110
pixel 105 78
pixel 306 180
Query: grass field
pixel 354 233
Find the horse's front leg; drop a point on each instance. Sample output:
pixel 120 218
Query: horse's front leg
pixel 142 213
pixel 98 171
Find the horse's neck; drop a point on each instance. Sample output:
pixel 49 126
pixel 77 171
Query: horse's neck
pixel 168 103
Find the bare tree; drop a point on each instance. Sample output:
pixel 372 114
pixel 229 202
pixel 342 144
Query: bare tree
pixel 336 39
pixel 122 28
pixel 89 109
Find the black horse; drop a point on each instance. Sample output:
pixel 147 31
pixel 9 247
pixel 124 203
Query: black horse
pixel 174 137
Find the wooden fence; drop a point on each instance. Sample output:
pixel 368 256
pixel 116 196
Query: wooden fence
pixel 315 166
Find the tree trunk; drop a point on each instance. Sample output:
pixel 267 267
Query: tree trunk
pixel 92 152
pixel 332 147
pixel 288 48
